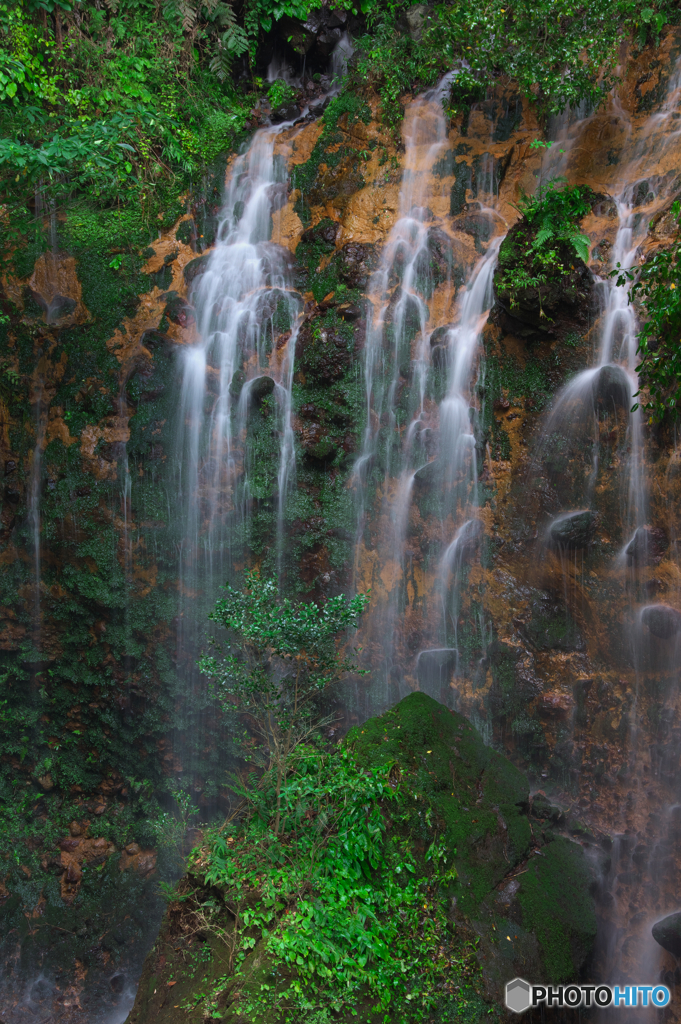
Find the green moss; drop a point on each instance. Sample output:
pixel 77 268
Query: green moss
pixel 472 786
pixel 557 906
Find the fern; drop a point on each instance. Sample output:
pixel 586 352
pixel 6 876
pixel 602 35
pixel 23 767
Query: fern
pixel 580 243
pixel 232 43
pixel 543 237
pixel 186 10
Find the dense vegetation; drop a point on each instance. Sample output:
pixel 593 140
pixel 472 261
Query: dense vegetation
pixel 129 100
pixel 364 925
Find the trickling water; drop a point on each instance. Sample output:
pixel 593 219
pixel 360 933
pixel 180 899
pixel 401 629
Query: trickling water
pixel 342 52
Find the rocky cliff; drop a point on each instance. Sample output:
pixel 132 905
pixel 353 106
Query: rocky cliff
pixel 559 640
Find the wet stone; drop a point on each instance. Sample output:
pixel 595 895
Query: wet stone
pixel 662 621
pixel 260 388
pixel 574 530
pixel 429 475
pixel 646 546
pixel 612 387
pixel 435 667
pixel 195 268
pixel 668 933
pixel 178 311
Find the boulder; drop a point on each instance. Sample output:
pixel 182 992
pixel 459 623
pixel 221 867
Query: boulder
pixel 195 268
pixel 416 18
pixel 573 530
pixel 480 795
pixel 668 933
pixel 611 387
pixel 435 667
pixel 177 310
pixel 259 388
pixel 663 621
pixel 429 476
pixel 561 301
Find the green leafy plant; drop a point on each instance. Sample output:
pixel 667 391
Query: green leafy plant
pixel 546 242
pixel 346 914
pixel 280 93
pixel 554 212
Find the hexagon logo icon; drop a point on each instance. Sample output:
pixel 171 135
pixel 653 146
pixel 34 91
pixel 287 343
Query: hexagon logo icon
pixel 518 995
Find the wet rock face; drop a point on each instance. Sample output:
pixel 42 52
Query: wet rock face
pixel 668 934
pixel 260 388
pixel 663 621
pixel 178 310
pixel 195 268
pixel 436 667
pixel 647 546
pixel 439 347
pixel 324 349
pixel 574 530
pixel 356 264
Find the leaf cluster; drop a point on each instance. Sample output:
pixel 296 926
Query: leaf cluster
pixel 549 237
pixel 559 52
pixel 279 659
pixel 554 212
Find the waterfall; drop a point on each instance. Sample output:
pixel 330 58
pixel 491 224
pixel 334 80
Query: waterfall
pixel 418 442
pixel 611 382
pixel 645 644
pixel 239 369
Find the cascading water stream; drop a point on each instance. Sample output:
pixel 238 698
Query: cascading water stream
pixel 595 407
pixel 411 442
pixel 457 440
pixel 247 318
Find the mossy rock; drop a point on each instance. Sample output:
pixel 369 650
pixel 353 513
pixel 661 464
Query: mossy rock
pixel 325 348
pixel 480 795
pixel 195 268
pixel 561 303
pixel 557 905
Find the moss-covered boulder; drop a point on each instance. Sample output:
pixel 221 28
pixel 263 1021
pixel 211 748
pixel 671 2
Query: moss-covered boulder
pixel 542 282
pixel 528 896
pixel 481 796
pixel 449 856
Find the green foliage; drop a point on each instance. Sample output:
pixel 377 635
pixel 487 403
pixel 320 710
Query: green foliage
pixel 123 102
pixel 554 212
pixel 390 62
pixel 348 917
pixel 421 735
pixel 280 658
pixel 280 93
pixel 558 53
pixel 657 291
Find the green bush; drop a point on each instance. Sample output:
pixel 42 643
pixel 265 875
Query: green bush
pixel 347 916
